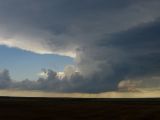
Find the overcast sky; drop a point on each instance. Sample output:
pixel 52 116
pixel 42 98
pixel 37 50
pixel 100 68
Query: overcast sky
pixel 101 45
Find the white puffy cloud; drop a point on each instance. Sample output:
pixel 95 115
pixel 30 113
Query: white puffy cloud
pixel 69 71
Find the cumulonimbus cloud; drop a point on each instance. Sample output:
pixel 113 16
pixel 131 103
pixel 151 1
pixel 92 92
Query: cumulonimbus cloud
pixel 110 40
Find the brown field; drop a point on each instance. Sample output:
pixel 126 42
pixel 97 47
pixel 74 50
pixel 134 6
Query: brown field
pixel 15 108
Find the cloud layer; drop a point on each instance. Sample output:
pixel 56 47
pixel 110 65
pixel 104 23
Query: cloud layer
pixel 110 40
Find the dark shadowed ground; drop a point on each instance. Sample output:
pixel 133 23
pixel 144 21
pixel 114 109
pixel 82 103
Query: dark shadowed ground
pixel 78 109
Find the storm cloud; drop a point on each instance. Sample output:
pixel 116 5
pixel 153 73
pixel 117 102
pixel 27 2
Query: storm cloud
pixel 110 40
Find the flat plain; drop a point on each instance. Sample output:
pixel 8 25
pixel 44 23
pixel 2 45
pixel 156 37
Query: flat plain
pixel 29 108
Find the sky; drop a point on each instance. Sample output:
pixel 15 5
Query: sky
pixel 19 62
pixel 82 46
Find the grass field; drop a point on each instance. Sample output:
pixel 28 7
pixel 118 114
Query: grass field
pixel 22 108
